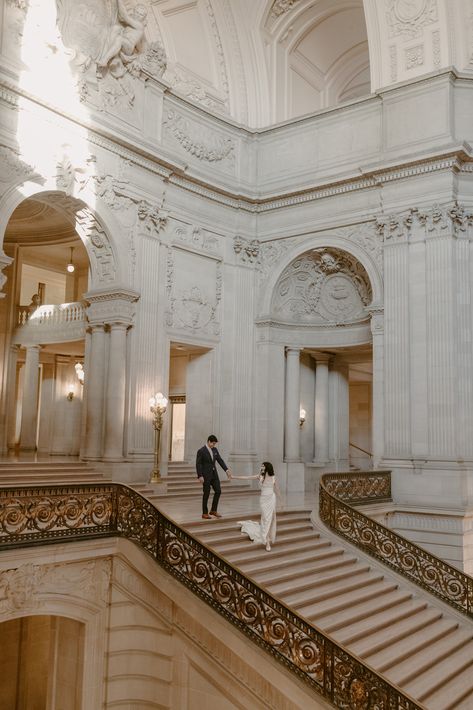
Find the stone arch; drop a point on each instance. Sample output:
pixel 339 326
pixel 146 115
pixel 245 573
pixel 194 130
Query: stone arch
pixel 369 260
pixel 93 224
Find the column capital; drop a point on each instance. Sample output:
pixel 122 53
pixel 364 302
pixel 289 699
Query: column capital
pixel 292 350
pixel 322 358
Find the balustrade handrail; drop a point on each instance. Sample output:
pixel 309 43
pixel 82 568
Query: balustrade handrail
pixel 339 491
pixel 48 514
pixel 51 313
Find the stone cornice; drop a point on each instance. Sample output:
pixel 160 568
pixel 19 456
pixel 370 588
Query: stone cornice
pixel 458 158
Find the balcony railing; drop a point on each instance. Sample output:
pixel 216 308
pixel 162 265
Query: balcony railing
pixel 50 323
pixel 340 491
pixel 46 514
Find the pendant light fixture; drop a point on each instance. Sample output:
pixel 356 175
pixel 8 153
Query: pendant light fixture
pixel 70 267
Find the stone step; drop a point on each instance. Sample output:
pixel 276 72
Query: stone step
pixel 342 618
pixel 372 643
pixel 342 600
pixel 273 565
pixel 290 537
pixel 440 673
pixel 258 553
pixel 378 621
pixel 407 635
pixel 403 663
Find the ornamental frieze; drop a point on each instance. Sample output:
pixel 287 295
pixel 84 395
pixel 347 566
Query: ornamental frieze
pixel 408 17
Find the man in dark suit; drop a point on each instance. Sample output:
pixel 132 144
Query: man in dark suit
pixel 206 466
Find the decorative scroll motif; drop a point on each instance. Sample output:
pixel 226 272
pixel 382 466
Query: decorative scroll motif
pixel 322 287
pixel 46 515
pixel 4 262
pixel 408 17
pixel 183 83
pixel 72 178
pixel 191 311
pixel 280 7
pixel 337 491
pixel 247 250
pixel 369 487
pixel 200 144
pixel 49 513
pixel 91 232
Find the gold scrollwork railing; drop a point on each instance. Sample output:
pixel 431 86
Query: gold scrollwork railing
pixel 43 515
pixel 337 494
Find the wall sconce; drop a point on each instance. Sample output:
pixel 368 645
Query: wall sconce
pixel 79 368
pixel 302 415
pixel 157 406
pixel 70 394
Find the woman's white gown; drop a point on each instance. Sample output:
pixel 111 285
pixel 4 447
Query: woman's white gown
pixel 264 531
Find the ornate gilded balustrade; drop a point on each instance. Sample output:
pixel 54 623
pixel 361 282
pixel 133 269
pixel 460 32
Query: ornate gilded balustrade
pixel 338 491
pixel 43 515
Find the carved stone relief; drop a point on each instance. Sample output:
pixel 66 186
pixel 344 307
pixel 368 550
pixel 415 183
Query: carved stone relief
pixel 196 237
pixel 27 587
pixel 188 308
pixel 280 7
pixel 408 17
pixel 72 179
pixel 246 250
pixel 109 46
pixel 414 56
pixel 91 232
pixel 322 287
pixel 13 169
pixel 199 142
pixel 438 221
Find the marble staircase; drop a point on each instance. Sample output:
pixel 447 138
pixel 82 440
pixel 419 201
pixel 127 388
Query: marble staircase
pixel 181 482
pixel 17 473
pixel 408 636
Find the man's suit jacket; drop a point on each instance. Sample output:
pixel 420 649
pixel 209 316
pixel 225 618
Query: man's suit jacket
pixel 205 465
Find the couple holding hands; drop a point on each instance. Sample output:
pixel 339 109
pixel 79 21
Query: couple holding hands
pixel 263 532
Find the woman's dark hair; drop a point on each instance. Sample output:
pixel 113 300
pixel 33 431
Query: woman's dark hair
pixel 268 469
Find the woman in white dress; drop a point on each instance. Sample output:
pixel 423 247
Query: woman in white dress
pixel 263 532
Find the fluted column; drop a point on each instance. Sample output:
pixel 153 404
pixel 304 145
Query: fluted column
pixel 29 406
pixel 377 423
pixel 292 405
pixel 94 381
pixel 339 417
pixel 321 424
pixel 11 403
pixel 116 389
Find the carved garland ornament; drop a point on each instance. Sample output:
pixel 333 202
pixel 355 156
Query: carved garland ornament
pixel 322 287
pixel 195 142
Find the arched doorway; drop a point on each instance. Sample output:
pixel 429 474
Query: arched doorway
pixel 318 346
pixel 42 662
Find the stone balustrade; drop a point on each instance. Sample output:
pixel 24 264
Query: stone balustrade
pixel 50 323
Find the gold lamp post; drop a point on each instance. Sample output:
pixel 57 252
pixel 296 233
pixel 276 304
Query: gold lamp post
pixel 157 405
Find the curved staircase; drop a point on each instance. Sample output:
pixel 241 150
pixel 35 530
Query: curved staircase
pixel 412 639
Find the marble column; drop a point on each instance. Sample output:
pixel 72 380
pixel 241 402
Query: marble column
pixel 377 421
pixel 11 403
pixel 29 407
pixel 321 419
pixel 339 415
pixel 94 381
pixel 292 405
pixel 116 390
